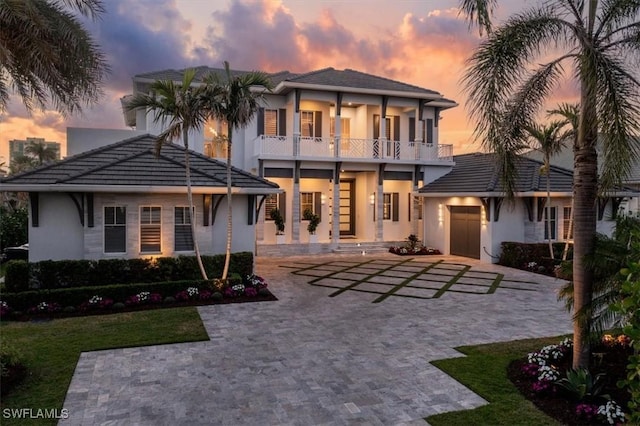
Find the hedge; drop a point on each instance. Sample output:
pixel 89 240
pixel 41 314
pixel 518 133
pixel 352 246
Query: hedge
pixel 518 255
pixel 75 296
pixel 49 274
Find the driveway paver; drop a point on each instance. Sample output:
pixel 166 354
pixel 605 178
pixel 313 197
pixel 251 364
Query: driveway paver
pixel 311 359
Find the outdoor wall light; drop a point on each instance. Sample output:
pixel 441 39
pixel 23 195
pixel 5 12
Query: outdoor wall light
pixel 372 199
pixel 323 199
pixel 440 214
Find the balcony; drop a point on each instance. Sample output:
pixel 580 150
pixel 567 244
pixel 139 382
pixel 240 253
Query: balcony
pixel 351 149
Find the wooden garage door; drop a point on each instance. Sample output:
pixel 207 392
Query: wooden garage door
pixel 465 231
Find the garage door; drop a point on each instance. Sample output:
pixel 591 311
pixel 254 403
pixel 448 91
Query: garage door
pixel 465 231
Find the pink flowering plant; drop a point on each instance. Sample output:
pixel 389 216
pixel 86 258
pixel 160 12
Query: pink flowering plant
pixel 5 310
pixel 143 298
pixel 45 308
pixel 96 302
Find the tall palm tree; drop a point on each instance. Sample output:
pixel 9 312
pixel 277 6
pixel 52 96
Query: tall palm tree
pixel 550 140
pixel 235 99
pixel 46 54
pixel 518 66
pixel 570 112
pixel 41 152
pixel 183 107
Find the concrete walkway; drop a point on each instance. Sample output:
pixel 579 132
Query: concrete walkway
pixel 310 359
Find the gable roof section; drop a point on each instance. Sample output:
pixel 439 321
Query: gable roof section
pixel 479 174
pixel 132 166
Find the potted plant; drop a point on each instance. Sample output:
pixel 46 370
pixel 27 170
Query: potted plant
pixel 279 222
pixel 314 220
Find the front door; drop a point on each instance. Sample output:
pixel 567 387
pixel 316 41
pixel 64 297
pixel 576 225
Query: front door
pixel 347 207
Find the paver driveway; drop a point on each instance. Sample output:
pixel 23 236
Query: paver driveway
pixel 309 359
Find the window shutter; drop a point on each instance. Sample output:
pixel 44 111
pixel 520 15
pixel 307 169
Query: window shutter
pixel 317 203
pixel 282 205
pixel 396 127
pixel 251 199
pixel 394 205
pixel 282 122
pixel 318 123
pixel 260 121
pixel 429 130
pixel 376 126
pixel 412 129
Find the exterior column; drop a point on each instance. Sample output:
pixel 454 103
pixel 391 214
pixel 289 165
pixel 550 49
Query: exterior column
pixel 335 206
pixel 415 207
pixel 380 204
pixel 296 123
pixel 295 207
pixel 337 134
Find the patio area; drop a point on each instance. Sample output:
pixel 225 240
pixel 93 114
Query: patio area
pixel 359 357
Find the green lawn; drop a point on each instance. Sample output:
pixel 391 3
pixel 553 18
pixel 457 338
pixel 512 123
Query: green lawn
pixel 51 349
pixel 484 371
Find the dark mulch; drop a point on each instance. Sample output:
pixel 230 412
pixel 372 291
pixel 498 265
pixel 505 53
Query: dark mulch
pixel 422 252
pixel 133 308
pixel 609 360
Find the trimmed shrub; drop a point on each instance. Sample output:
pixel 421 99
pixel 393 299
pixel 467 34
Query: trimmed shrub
pixel 50 275
pixel 518 255
pixel 17 276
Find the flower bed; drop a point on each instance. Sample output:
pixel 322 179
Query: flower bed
pixel 251 289
pixel 415 251
pixel 576 397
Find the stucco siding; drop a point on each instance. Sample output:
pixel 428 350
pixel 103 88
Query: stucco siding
pixel 59 235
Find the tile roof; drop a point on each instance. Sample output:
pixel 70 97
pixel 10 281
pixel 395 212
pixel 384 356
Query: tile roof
pixel 133 162
pixel 326 76
pixel 479 173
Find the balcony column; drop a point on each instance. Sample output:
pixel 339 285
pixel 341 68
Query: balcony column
pixel 337 132
pixel 296 122
pixel 295 207
pixel 335 205
pixel 380 204
pixel 382 145
pixel 419 123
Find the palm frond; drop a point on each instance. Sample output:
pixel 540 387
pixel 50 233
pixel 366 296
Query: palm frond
pixel 479 12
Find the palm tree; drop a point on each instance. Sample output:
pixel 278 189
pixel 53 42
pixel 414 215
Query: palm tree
pixel 234 99
pixel 511 74
pixel 570 112
pixel 183 107
pixel 47 54
pixel 42 152
pixel 550 141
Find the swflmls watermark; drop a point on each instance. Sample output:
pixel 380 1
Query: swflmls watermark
pixel 35 413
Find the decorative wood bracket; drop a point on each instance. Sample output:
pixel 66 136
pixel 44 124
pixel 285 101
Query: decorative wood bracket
pixel 251 212
pixel 260 203
pixel 34 202
pixel 90 211
pixel 528 203
pixel 206 209
pixel 497 204
pixel 542 202
pixel 78 200
pixel 602 206
pixel 216 204
pixel 381 168
pixel 486 203
pixel 615 204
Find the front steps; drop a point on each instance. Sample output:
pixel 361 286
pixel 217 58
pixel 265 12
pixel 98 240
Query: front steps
pixel 343 247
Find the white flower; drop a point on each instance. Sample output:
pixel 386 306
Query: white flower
pixel 143 296
pixel 43 306
pixel 612 412
pixel 95 300
pixel 192 291
pixel 548 373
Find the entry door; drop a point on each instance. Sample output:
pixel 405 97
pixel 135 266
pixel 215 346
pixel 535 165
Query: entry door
pixel 347 207
pixel 465 231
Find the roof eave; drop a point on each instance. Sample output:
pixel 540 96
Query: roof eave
pixel 283 85
pixel 136 189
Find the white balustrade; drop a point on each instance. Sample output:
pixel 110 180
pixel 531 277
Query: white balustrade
pixel 352 148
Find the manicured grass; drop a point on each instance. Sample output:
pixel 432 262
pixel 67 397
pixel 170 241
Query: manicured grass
pixel 51 349
pixel 484 371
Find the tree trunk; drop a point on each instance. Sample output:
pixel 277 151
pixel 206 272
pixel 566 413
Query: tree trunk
pixel 565 252
pixel 227 258
pixel 190 198
pixel 547 166
pixel 585 191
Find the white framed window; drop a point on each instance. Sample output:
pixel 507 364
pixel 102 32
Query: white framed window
pixel 554 222
pixel 183 237
pixel 386 206
pixel 216 138
pixel 150 229
pixel 271 122
pixel 390 206
pixel 306 202
pixel 307 124
pixel 115 229
pixel 345 131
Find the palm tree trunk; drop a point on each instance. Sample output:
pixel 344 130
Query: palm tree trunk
pixel 227 258
pixel 565 252
pixel 548 170
pixel 585 183
pixel 190 199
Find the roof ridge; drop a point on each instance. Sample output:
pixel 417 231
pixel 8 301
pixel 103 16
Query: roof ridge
pixel 391 80
pixel 78 156
pixel 104 166
pixel 191 167
pixel 306 74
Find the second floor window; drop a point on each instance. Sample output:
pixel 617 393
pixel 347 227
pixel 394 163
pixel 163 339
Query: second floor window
pixel 345 131
pixel 271 122
pixel 150 229
pixel 215 138
pixel 307 125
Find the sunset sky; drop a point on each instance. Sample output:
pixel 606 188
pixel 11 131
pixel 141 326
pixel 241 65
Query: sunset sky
pixel 423 42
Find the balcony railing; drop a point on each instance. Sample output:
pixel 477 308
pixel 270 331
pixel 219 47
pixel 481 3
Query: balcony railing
pixel 286 147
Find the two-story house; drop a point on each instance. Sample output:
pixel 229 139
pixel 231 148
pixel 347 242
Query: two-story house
pixel 351 147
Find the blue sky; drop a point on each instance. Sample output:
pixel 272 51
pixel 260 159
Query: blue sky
pixel 423 42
